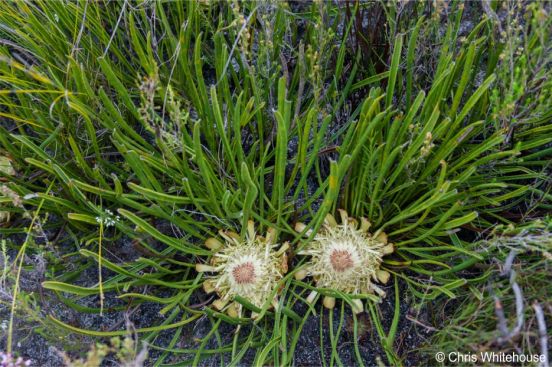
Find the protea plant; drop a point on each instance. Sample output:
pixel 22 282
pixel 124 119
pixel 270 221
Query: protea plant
pixel 248 267
pixel 345 257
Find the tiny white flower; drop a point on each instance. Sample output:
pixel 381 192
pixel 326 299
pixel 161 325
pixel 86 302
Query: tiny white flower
pixel 108 219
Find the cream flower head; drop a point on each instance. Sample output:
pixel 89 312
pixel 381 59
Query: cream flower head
pixel 249 268
pixel 345 257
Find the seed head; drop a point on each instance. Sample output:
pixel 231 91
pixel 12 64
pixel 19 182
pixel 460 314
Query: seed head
pixel 244 273
pixel 341 260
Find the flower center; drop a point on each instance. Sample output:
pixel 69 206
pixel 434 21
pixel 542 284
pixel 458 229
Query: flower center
pixel 244 273
pixel 341 260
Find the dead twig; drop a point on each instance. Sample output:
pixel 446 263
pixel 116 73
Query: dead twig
pixel 115 29
pixel 491 14
pixel 418 322
pixel 506 334
pixel 508 263
pixel 202 304
pixel 543 337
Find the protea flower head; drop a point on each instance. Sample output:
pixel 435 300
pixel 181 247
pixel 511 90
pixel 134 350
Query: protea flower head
pixel 345 257
pixel 249 268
